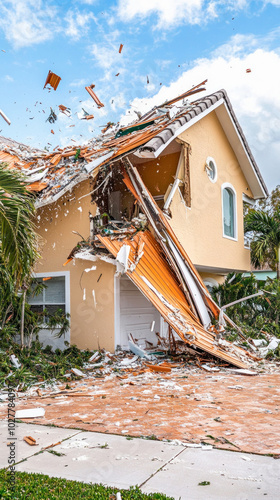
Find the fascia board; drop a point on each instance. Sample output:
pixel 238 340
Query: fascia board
pixel 51 199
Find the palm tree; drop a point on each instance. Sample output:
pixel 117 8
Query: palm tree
pixel 18 239
pixel 265 247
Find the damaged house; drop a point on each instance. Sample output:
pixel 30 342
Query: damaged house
pixel 138 222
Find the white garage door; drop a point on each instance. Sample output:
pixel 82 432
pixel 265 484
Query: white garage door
pixel 137 315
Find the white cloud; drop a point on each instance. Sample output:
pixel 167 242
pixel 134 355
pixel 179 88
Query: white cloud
pixel 163 63
pixel 117 102
pixel 27 22
pixel 88 2
pixel 79 83
pixel 8 78
pixel 172 13
pixel 254 95
pixel 106 54
pixel 237 45
pixel 78 24
pixel 169 12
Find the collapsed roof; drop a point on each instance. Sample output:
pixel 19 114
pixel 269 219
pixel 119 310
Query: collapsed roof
pixel 146 249
pixel 51 174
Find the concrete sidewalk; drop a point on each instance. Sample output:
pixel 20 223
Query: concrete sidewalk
pixel 155 466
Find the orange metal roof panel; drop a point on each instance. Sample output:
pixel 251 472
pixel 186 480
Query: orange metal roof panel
pixel 37 186
pixel 52 80
pixel 94 96
pixel 164 292
pixel 8 158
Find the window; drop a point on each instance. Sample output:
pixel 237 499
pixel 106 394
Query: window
pixel 211 169
pixel 54 296
pixel 229 211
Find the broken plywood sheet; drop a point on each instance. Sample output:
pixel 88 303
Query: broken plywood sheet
pixel 157 282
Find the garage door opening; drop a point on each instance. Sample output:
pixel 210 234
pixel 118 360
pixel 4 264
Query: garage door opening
pixel 135 315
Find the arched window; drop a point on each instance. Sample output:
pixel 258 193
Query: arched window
pixel 229 211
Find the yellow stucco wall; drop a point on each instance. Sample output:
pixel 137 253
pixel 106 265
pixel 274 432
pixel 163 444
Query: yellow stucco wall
pixel 91 326
pixel 200 228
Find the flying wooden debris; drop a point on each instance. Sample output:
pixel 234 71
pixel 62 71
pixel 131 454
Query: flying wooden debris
pixel 120 49
pixel 94 96
pixel 5 117
pixel 52 80
pixel 52 117
pixel 85 115
pixel 109 125
pixel 65 110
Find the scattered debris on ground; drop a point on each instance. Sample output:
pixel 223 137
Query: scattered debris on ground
pixel 39 366
pixel 30 440
pixel 30 413
pixel 189 397
pixel 121 394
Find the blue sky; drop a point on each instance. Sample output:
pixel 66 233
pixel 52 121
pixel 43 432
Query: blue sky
pixel 175 43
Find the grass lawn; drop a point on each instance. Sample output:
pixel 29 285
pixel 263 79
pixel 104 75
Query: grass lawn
pixel 41 487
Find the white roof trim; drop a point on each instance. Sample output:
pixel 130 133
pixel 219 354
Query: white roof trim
pixel 95 163
pixel 150 154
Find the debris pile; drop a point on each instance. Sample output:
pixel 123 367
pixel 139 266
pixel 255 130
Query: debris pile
pixel 39 369
pixel 268 347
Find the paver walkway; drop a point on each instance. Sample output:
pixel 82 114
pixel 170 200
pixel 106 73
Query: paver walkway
pixel 242 413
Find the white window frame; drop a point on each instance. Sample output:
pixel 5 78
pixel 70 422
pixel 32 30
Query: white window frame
pixel 58 274
pixel 208 159
pixel 229 186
